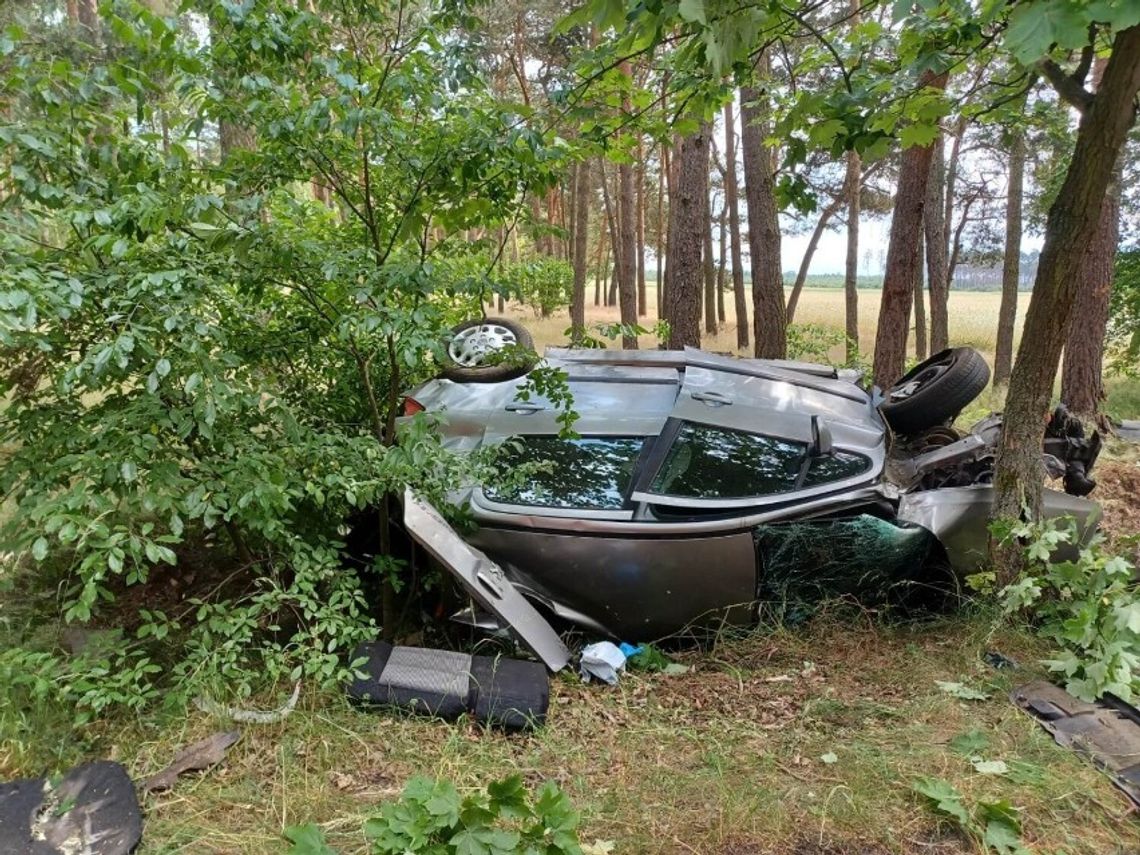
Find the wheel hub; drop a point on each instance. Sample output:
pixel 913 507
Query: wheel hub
pixel 470 347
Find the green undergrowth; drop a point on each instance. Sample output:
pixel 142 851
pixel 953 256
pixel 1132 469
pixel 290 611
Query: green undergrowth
pixel 805 741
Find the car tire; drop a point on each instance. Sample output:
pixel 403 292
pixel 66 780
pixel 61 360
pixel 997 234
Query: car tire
pixel 936 390
pixel 465 351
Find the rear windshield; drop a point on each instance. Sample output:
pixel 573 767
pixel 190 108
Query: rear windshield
pixel 588 473
pixel 707 462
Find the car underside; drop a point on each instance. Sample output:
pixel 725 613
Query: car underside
pixel 701 487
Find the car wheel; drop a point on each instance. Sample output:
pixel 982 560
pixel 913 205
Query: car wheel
pixel 489 350
pixel 936 390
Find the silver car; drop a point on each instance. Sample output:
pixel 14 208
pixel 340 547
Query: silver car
pixel 701 486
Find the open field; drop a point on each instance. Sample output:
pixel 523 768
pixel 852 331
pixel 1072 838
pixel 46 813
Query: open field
pixel 973 319
pixel 973 323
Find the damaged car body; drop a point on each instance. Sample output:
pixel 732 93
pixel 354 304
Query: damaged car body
pixel 699 486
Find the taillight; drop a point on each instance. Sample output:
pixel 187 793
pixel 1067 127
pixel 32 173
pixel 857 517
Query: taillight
pixel 412 406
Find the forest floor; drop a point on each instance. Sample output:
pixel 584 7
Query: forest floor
pixel 790 741
pixel 782 741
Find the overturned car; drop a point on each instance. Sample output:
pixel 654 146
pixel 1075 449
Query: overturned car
pixel 701 485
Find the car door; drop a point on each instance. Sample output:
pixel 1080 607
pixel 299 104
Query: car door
pixel 484 581
pixel 735 441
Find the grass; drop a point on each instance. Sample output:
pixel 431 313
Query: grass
pixel 725 759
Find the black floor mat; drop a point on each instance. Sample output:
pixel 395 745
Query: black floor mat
pixel 92 809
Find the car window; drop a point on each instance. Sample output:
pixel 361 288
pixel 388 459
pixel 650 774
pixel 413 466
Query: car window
pixel 588 473
pixel 707 462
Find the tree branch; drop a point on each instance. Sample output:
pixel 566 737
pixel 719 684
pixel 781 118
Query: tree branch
pixel 1067 86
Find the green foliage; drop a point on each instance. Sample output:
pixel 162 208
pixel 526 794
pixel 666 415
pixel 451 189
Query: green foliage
pixel 813 342
pixel 432 817
pixel 993 824
pixel 1089 607
pixel 544 284
pixel 613 331
pixel 1124 317
pixel 200 355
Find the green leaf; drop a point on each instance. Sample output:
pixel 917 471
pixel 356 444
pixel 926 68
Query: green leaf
pixel 918 134
pixel 969 743
pixel 944 798
pixel 308 839
pixel 961 691
pixel 990 767
pixel 40 549
pixel 692 11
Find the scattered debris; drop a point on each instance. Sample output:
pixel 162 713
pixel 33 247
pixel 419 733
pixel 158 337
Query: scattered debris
pixel 509 693
pixel 201 755
pixel 999 661
pixel 92 810
pixel 1108 732
pixel 1129 429
pixel 602 660
pixel 212 707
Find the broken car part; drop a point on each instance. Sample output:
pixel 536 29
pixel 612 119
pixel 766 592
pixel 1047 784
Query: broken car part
pixel 1107 732
pixel 484 581
pixel 204 754
pixel 508 693
pixel 91 810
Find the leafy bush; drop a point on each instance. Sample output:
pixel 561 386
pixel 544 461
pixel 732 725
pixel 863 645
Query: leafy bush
pixel 544 284
pixel 431 818
pixel 813 342
pixel 199 351
pixel 1089 607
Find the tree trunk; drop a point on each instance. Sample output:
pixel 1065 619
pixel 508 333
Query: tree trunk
pixel 709 267
pixel 902 256
pixel 722 264
pixel 659 282
pixel 768 316
pixel 628 211
pixel 951 189
pixel 581 237
pixel 642 297
pixel 1082 381
pixel 936 250
pixel 615 237
pixel 853 192
pixel 1011 264
pixel 87 14
pixel 920 306
pixel 731 198
pixel 801 275
pixel 1069 229
pixel 686 221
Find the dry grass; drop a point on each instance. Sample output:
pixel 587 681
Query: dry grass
pixel 725 759
pixel 973 319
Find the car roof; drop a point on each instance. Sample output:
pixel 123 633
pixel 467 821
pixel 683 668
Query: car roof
pixel 633 393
